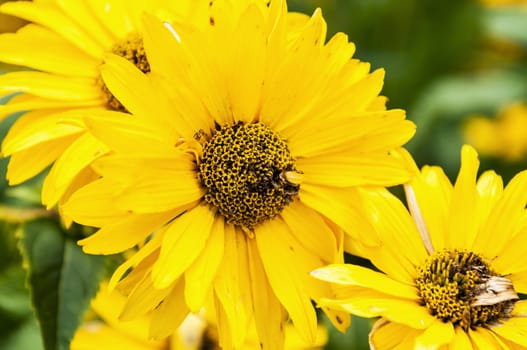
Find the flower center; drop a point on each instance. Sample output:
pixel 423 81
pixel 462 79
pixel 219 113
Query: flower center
pixel 133 50
pixel 459 287
pixel 248 173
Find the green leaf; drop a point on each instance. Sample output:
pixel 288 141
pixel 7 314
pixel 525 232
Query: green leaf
pixel 356 336
pixel 507 23
pixel 14 296
pixel 62 280
pixel 21 336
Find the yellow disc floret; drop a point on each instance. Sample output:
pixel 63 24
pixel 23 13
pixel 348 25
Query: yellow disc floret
pixel 459 287
pixel 245 170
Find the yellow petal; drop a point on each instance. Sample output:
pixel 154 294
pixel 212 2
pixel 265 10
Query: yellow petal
pixel 87 21
pixel 148 252
pixel 269 314
pixel 199 72
pixel 112 16
pixel 187 113
pixel 353 275
pixel 136 276
pixel 357 134
pixel 99 336
pixel 184 241
pixel 137 93
pixel 225 334
pixel 291 85
pixel 247 66
pixel 285 266
pixel 520 281
pixel 343 207
pixel 344 170
pixel 51 86
pixel 200 275
pixel 73 160
pixel 28 50
pixel 389 335
pixel 27 102
pixel 389 260
pixel 108 305
pixel 461 340
pixel 170 314
pixel 513 258
pixel 433 192
pixel 44 13
pixel 86 176
pixel 520 308
pixel 294 341
pixel 124 233
pixel 482 339
pixel 462 224
pixel 94 205
pixel 35 128
pixel 161 190
pixel 368 303
pixel 439 333
pixel 351 95
pixel 513 329
pixel 126 168
pixel 127 134
pixel 503 218
pixel 232 285
pixel 27 163
pixel 311 231
pixel 396 228
pixel 490 189
pixel 144 298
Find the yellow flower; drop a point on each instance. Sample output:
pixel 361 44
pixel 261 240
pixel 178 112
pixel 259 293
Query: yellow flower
pixel 64 47
pixel 450 271
pixel 105 332
pixel 505 136
pixel 244 151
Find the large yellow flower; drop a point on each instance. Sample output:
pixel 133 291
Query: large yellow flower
pixel 64 47
pixel 104 331
pixel 450 271
pixel 244 152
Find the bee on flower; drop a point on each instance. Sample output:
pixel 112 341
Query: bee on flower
pixel 237 168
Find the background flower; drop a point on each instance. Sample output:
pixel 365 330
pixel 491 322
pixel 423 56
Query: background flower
pixel 502 137
pixel 58 57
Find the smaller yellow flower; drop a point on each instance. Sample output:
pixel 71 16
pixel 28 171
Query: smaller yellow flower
pixel 106 332
pixel 450 271
pixel 505 136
